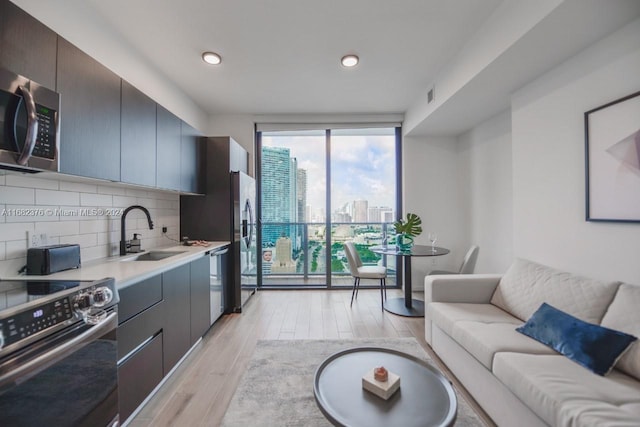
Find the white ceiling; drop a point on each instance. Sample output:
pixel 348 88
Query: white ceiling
pixel 283 56
pixel 552 41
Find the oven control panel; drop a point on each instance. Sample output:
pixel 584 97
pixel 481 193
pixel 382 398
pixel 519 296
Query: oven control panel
pixel 26 323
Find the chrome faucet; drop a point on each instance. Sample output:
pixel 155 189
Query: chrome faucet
pixel 123 234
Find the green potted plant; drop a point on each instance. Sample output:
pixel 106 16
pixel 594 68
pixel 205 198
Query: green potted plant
pixel 407 230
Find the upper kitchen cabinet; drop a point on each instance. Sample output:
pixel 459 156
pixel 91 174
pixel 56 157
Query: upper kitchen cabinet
pixel 27 46
pixel 189 164
pixel 90 115
pixel 168 130
pixel 138 137
pixel 226 155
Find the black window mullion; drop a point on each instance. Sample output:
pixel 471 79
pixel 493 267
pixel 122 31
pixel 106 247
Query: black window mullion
pixel 327 218
pixel 258 175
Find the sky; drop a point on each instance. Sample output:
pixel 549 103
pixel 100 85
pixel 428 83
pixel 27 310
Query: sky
pixel 363 167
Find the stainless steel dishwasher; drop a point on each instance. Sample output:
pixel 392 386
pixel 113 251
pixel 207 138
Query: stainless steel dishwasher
pixel 218 276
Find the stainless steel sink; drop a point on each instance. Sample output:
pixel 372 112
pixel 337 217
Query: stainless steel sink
pixel 155 255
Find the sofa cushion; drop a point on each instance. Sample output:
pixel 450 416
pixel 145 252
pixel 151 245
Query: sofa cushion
pixel 624 315
pixel 445 314
pixel 526 285
pixel 484 340
pixel 555 388
pixel 593 346
pixel 601 414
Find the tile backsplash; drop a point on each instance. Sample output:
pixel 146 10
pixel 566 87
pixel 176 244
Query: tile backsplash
pixel 87 213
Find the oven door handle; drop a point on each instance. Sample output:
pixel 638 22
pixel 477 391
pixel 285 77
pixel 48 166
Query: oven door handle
pixel 32 126
pixel 47 359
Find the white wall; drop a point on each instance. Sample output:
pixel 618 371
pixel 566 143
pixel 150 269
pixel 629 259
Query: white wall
pixel 509 22
pixel 54 206
pixel 485 167
pixel 240 127
pixel 431 188
pixel 549 162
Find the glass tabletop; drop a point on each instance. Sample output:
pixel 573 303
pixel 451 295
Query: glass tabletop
pixel 416 250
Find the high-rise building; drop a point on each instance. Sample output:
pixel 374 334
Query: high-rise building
pixel 388 216
pixel 301 194
pixel 380 214
pixel 283 262
pixel 374 214
pixel 341 217
pixel 293 189
pixel 360 211
pixel 276 193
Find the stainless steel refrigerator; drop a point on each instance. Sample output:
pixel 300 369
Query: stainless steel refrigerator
pixel 244 236
pixel 226 212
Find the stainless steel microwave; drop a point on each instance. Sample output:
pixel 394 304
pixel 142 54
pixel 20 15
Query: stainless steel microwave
pixel 29 125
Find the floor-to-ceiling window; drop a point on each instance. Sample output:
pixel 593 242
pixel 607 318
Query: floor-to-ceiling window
pixel 319 188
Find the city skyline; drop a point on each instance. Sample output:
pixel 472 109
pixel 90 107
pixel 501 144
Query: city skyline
pixel 362 168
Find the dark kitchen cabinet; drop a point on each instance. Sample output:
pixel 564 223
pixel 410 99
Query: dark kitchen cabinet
pixel 140 314
pixel 27 46
pixel 138 297
pixel 177 315
pixel 168 140
pixel 90 105
pixel 189 165
pixel 159 320
pixel 200 298
pixel 139 375
pixel 138 137
pixel 140 318
pixel 220 155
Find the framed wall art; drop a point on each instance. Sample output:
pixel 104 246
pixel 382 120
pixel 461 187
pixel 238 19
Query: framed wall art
pixel 612 153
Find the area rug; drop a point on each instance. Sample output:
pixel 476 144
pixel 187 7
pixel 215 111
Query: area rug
pixel 277 388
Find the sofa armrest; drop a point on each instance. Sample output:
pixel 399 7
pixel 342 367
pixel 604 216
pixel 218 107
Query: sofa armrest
pixel 463 288
pixel 460 288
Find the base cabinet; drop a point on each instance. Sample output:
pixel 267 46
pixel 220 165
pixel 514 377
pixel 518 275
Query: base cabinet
pixel 139 375
pixel 177 317
pixel 140 314
pixel 160 318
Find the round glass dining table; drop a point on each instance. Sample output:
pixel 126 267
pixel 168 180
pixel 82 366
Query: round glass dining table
pixel 407 306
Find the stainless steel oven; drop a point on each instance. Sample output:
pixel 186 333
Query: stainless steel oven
pixel 58 353
pixel 29 124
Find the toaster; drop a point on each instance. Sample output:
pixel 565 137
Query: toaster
pixel 51 259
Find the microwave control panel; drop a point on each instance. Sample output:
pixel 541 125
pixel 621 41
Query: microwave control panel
pixel 45 140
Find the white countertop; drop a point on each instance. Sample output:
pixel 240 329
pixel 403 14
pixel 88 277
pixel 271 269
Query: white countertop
pixel 129 272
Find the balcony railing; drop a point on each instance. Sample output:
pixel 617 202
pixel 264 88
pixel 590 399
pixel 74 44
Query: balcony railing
pixel 295 253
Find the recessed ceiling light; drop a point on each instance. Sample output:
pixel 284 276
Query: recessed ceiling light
pixel 350 60
pixel 211 58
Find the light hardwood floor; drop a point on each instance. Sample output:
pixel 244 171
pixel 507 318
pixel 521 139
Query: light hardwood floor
pixel 199 391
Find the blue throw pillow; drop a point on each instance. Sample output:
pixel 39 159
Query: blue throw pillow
pixel 593 346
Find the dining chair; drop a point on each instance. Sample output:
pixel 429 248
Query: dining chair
pixel 360 271
pixel 468 264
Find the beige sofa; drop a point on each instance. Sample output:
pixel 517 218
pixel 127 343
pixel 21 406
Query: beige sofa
pixel 470 323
